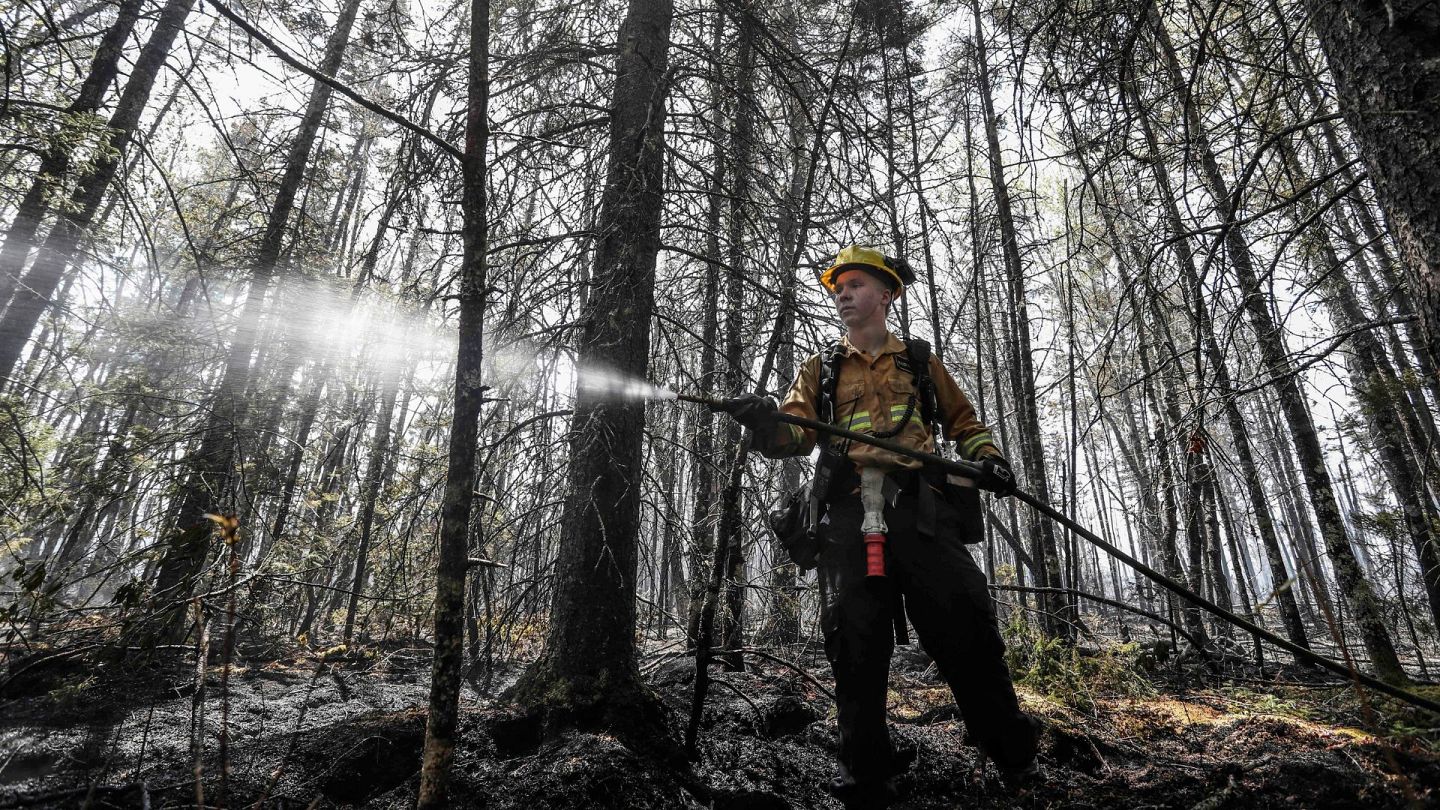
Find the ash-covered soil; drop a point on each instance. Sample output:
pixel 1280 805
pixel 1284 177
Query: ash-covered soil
pixel 311 732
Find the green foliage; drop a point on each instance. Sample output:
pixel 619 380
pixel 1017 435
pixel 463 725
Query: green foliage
pixel 73 692
pixel 1412 724
pixel 35 593
pixel 1068 674
pixel 1422 736
pixel 1260 701
pixel 24 442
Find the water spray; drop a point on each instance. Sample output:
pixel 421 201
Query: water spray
pixel 604 384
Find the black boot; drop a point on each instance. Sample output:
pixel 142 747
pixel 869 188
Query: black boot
pixel 906 753
pixel 862 795
pixel 1027 776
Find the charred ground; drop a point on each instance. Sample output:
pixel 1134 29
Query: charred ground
pixel 345 728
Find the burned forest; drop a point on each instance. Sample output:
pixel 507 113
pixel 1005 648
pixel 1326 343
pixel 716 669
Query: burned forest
pixel 388 404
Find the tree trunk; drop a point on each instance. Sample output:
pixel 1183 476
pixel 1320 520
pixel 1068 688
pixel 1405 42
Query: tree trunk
pixel 587 674
pixel 1204 325
pixel 32 295
pixel 1377 385
pixel 1218 498
pixel 56 157
pixel 732 529
pixel 309 409
pixel 706 482
pixel 1204 477
pixel 1168 467
pixel 374 475
pixel 670 576
pixel 1022 372
pixel 1363 600
pixel 1385 57
pixel 207 487
pixel 459 497
pixel 783 623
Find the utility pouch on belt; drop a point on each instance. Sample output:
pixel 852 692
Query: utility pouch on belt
pixel 963 497
pixel 796 519
pixel 790 522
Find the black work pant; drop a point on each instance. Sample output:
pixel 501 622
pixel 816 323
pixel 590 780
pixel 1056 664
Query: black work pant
pixel 949 605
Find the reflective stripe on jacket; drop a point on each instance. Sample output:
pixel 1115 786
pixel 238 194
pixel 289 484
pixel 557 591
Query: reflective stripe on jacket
pixel 871 397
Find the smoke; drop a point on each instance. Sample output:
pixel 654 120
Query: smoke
pixel 604 384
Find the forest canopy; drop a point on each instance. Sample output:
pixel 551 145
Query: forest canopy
pixel 336 323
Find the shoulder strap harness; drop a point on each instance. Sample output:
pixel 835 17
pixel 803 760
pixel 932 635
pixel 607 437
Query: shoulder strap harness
pixel 915 360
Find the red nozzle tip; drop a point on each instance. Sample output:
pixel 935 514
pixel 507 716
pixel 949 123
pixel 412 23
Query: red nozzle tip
pixel 874 554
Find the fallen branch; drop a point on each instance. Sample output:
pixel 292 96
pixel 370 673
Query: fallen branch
pixel 790 665
pixel 52 798
pixel 1105 601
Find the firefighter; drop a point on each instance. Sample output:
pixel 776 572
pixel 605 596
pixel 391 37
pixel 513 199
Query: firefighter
pixel 869 382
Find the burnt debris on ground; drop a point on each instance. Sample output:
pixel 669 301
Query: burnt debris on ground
pixel 347 729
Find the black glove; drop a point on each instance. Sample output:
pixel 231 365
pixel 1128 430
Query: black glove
pixel 996 476
pixel 755 412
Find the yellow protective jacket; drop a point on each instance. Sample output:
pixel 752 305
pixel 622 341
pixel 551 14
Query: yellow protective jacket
pixel 871 397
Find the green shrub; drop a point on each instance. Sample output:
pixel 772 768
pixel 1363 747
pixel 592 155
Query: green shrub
pixel 1067 673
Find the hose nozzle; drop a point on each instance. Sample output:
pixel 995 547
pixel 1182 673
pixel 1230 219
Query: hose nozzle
pixel 716 405
pixel 872 500
pixel 874 554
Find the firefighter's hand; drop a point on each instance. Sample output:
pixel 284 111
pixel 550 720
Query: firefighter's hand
pixel 996 476
pixel 755 412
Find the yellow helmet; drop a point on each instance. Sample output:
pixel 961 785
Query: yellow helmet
pixel 893 271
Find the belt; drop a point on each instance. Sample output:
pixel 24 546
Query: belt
pixel 911 487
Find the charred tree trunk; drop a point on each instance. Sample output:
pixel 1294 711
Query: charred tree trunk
pixel 587 674
pixel 732 529
pixel 1385 57
pixel 670 575
pixel 783 622
pixel 706 480
pixel 459 497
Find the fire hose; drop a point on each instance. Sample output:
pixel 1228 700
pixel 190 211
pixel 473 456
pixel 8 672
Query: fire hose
pixel 973 471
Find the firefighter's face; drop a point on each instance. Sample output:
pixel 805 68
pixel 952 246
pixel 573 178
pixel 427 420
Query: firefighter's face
pixel 861 298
